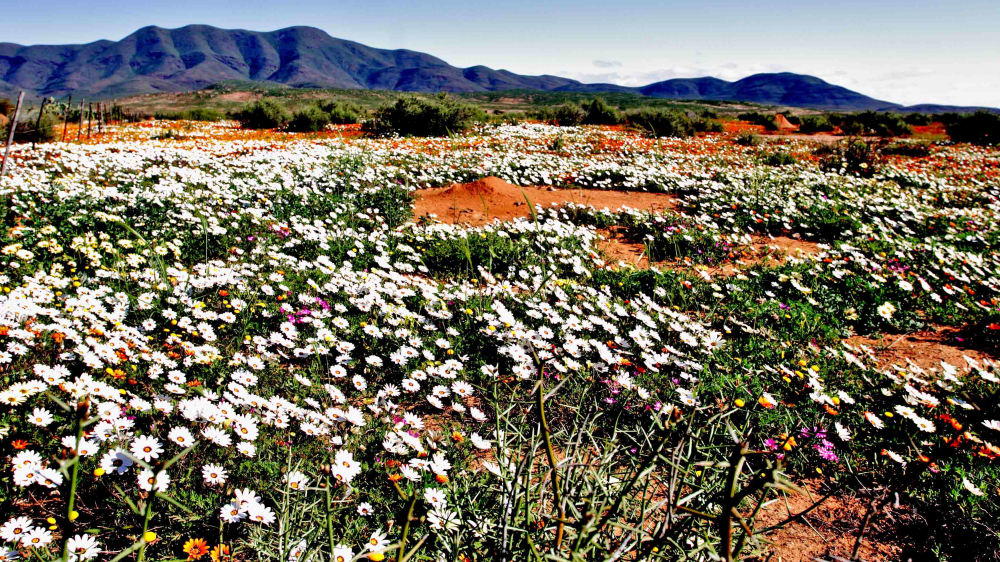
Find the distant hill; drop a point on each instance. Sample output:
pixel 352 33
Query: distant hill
pixel 154 59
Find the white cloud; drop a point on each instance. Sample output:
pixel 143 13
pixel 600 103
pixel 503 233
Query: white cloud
pixel 607 63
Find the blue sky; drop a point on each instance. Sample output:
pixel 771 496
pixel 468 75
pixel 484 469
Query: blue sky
pixel 904 51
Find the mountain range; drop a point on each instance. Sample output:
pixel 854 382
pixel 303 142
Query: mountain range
pixel 154 59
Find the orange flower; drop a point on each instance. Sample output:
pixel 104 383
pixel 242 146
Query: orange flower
pixel 220 552
pixel 195 548
pixel 19 444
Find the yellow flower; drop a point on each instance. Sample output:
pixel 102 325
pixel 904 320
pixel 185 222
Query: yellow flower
pixel 74 515
pixel 739 402
pixel 149 536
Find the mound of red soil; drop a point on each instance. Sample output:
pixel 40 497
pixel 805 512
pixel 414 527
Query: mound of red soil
pixel 484 200
pixel 784 124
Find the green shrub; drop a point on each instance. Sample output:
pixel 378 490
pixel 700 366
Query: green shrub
pixel 981 127
pixel 309 120
pixel 411 116
pixel 917 119
pixel 911 149
pixel 746 138
pixel 6 106
pixel 565 115
pixel 263 114
pixel 874 123
pixel 703 125
pixel 779 158
pixel 815 124
pixel 196 114
pixel 341 113
pixel 203 114
pixel 598 112
pixel 852 156
pixel 757 118
pixel 657 122
pixel 47 131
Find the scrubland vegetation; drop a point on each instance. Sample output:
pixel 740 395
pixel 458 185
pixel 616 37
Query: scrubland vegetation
pixel 230 343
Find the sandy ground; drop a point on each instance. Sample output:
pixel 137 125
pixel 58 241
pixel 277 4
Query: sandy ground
pixel 926 349
pixel 484 200
pixel 763 251
pixel 827 531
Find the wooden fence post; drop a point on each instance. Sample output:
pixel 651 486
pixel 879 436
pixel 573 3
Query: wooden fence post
pixel 38 122
pixel 69 105
pixel 10 134
pixel 79 130
pixel 90 118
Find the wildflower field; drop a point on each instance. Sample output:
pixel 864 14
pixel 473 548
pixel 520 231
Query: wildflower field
pixel 222 344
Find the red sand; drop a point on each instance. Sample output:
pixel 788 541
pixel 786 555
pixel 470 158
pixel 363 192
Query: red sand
pixel 484 200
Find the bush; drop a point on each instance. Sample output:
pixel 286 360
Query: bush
pixel 873 123
pixel 411 116
pixel 598 112
pixel 780 158
pixel 203 114
pixel 660 122
pixel 981 127
pixel 25 131
pixel 917 119
pixel 852 156
pixel 756 118
pixel 196 114
pixel 263 114
pixel 746 138
pixel 911 149
pixel 705 125
pixel 815 124
pixel 6 106
pixel 309 120
pixel 341 113
pixel 565 115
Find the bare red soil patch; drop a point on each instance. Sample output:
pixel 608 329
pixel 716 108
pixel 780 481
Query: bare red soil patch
pixel 764 251
pixel 827 531
pixel 482 201
pixel 615 249
pixel 926 349
pixel 740 126
pixel 239 96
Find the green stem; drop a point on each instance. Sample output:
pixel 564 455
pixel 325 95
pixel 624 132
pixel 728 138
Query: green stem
pixel 406 526
pixel 550 454
pixel 329 518
pixel 76 466
pixel 73 480
pixel 147 516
